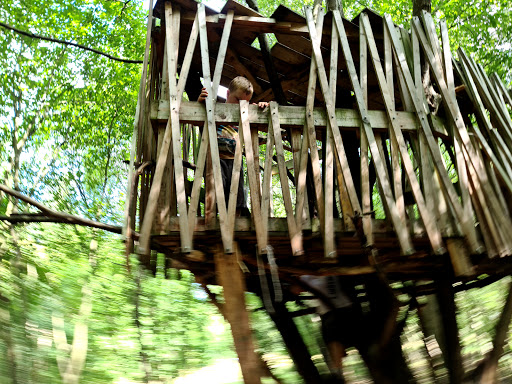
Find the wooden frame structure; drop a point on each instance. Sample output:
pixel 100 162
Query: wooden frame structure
pixel 431 208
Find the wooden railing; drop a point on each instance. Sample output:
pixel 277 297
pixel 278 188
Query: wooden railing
pixel 415 162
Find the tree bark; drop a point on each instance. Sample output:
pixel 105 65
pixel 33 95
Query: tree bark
pixel 453 358
pixel 230 277
pixel 295 344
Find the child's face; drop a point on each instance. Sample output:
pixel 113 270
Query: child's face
pixel 237 95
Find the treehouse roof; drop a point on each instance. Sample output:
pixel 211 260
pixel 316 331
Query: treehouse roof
pixel 291 52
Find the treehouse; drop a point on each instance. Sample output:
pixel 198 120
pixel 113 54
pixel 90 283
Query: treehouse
pixel 357 167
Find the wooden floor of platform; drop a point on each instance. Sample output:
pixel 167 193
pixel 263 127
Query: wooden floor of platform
pixel 351 259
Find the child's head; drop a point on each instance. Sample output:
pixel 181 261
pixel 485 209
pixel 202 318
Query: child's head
pixel 239 89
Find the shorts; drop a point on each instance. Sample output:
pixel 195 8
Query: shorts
pixel 342 325
pixel 226 166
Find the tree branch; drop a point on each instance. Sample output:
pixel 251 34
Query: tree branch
pixel 59 41
pixel 50 213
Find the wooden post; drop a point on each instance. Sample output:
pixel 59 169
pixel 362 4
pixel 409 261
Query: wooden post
pixel 230 277
pixel 453 358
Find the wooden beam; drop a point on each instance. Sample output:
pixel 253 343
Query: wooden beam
pixel 291 116
pixel 400 228
pixel 232 280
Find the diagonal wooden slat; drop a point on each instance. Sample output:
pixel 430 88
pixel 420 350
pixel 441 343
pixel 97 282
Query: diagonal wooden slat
pixel 245 139
pixel 211 127
pixel 471 156
pixel 329 239
pixel 295 234
pixel 431 228
pixel 462 171
pixel 311 134
pixel 366 191
pixel 129 218
pixel 446 184
pixel 172 130
pixel 400 228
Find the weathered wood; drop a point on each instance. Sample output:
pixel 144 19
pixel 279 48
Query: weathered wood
pixel 172 129
pixel 347 176
pixel 232 280
pixel 396 134
pixel 310 125
pixel 211 127
pixel 131 201
pixel 490 201
pixel 172 17
pixel 401 230
pixel 295 234
pixel 366 192
pixel 291 116
pixel 329 241
pixel 447 186
pixel 245 139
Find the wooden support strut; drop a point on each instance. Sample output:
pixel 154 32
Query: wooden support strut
pixel 446 184
pixel 212 129
pixel 295 234
pixel 401 229
pixel 172 130
pixel 431 228
pixel 131 201
pixel 490 202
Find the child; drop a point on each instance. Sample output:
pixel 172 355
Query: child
pixel 239 89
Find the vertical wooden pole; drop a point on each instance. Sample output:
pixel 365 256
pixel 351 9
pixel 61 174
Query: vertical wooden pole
pixel 366 192
pixel 453 358
pixel 232 280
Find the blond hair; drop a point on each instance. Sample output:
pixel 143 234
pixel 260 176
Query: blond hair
pixel 242 83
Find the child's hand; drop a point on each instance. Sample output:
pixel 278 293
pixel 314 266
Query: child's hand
pixel 202 97
pixel 263 104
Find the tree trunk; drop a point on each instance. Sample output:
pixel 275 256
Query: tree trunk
pixel 295 344
pixel 230 277
pixel 453 358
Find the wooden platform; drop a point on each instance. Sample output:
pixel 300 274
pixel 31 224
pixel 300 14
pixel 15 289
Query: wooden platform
pixel 354 133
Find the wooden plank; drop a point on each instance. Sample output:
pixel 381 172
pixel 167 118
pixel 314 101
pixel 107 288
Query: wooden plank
pixel 291 116
pixel 329 240
pixel 233 195
pixel 189 53
pixel 366 191
pixel 481 112
pixel 232 280
pixel 196 186
pixel 245 137
pixel 462 172
pixel 297 142
pixel 330 110
pixel 222 51
pixel 447 186
pixel 210 126
pixel 487 98
pixel 162 217
pixel 172 17
pixel 395 158
pixel 266 194
pixel 300 179
pixel 172 129
pixel 468 149
pixel 221 55
pixel 310 124
pixel 131 201
pixel 498 106
pixel 400 228
pixel 295 234
pixel 504 92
